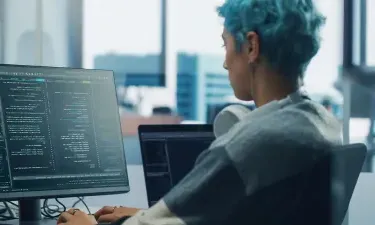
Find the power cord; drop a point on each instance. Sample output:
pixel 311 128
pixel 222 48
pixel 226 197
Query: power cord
pixel 49 210
pixel 7 213
pixel 3 210
pixel 52 211
pixel 81 200
pixel 6 218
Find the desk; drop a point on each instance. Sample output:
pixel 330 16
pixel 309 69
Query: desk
pixel 135 198
pixel 361 209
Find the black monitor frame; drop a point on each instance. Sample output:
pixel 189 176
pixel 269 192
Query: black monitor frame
pixel 158 128
pixel 29 202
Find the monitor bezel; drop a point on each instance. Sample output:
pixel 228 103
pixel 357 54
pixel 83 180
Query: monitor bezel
pixel 76 192
pixel 145 128
pixel 160 128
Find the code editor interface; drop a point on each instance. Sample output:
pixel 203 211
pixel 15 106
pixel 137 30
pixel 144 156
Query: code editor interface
pixel 169 157
pixel 59 131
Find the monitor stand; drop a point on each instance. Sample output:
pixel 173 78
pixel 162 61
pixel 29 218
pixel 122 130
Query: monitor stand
pixel 29 211
pixel 29 214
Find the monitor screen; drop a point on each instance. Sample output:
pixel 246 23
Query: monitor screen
pixel 59 133
pixel 169 156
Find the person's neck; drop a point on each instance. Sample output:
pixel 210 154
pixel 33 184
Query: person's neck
pixel 273 89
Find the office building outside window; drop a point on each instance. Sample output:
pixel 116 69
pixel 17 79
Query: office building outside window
pixel 201 81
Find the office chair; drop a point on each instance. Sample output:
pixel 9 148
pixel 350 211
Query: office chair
pixel 329 183
pixel 346 165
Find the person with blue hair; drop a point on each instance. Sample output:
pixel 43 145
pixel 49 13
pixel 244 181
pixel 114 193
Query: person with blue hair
pixel 269 43
pixel 252 173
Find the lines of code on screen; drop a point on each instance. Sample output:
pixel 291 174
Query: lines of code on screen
pixel 59 131
pixel 169 157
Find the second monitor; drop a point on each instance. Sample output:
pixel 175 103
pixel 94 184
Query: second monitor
pixel 169 153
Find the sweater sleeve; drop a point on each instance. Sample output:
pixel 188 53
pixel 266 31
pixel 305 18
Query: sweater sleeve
pixel 198 198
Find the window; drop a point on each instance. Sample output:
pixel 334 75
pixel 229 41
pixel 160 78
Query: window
pixel 370 49
pixel 201 40
pixel 120 27
pixel 18 42
pixel 125 36
pixel 41 32
pixel 323 69
pixel 2 29
pixel 190 33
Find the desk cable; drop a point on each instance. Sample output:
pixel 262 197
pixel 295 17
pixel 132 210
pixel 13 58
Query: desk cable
pixel 9 210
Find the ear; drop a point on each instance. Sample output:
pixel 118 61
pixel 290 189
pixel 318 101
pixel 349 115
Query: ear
pixel 252 46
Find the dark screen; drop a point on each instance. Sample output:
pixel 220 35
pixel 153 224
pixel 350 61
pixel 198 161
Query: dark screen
pixel 59 129
pixel 169 157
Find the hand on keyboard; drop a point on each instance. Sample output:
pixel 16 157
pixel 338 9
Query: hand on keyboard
pixel 112 214
pixel 75 217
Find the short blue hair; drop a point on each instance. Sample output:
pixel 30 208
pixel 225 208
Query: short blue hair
pixel 288 30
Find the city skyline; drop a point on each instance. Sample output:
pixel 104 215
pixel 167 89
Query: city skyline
pixel 200 80
pixel 116 26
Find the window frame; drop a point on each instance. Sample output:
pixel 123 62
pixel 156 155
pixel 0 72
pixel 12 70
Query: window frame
pixel 359 72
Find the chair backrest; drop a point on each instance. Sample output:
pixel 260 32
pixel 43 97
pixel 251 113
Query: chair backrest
pixel 319 195
pixel 346 165
pixel 331 183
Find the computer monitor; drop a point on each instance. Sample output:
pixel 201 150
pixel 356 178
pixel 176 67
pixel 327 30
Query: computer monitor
pixel 169 153
pixel 60 136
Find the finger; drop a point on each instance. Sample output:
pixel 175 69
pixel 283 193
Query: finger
pixel 107 218
pixel 80 213
pixel 71 211
pixel 104 210
pixel 64 217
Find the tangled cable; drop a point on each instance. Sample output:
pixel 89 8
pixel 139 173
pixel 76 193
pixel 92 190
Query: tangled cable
pixel 49 210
